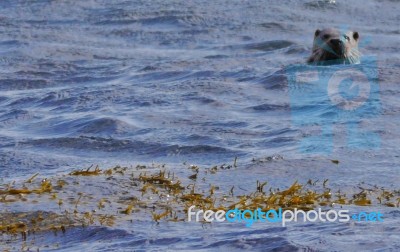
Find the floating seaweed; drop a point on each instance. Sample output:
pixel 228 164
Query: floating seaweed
pixel 93 196
pixel 87 172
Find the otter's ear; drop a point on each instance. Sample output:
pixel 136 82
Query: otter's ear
pixel 355 35
pixel 317 32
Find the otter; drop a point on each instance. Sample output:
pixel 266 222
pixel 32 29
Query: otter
pixel 334 47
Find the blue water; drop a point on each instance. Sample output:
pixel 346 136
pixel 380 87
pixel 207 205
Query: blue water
pixel 128 82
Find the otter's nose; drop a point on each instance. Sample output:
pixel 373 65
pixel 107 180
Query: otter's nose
pixel 336 42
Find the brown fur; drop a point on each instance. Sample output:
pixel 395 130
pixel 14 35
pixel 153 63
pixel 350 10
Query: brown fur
pixel 333 46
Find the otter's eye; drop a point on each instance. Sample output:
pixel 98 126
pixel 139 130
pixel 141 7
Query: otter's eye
pixel 346 37
pixel 326 36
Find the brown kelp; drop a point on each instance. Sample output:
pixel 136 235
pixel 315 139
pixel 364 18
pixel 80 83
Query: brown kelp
pixel 106 197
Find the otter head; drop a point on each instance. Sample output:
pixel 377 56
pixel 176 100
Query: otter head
pixel 331 45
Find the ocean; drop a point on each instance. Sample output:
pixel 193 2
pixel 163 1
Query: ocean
pixel 201 83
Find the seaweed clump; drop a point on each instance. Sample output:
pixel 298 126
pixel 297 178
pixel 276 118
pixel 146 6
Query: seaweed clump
pixel 93 196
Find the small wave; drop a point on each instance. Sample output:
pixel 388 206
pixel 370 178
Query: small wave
pixel 263 243
pixel 322 4
pixel 22 102
pixel 56 99
pixel 148 68
pixel 273 26
pixel 297 49
pixel 160 22
pixel 23 84
pixel 265 46
pixel 277 80
pixel 270 107
pixel 217 56
pixel 165 76
pixel 12 43
pixel 171 75
pixel 14 117
pixel 122 145
pixel 269 45
pixel 278 27
pixel 106 127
